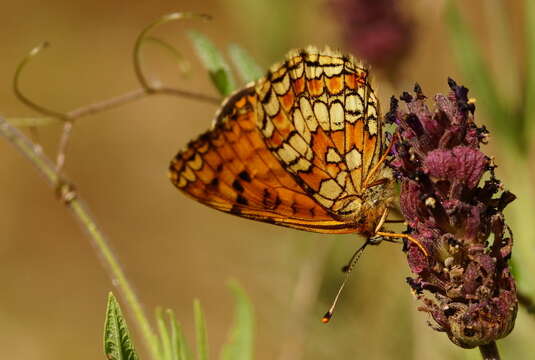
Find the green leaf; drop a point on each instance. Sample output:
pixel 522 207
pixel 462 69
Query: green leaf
pixel 200 331
pixel 214 62
pixel 117 342
pixel 247 67
pixel 240 342
pixel 473 67
pixel 166 351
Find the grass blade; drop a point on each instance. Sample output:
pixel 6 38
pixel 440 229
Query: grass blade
pixel 200 331
pixel 214 62
pixel 240 343
pixel 117 342
pixel 177 340
pixel 247 67
pixel 165 340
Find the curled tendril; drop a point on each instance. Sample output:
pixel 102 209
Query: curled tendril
pixel 183 64
pixel 25 100
pixel 143 36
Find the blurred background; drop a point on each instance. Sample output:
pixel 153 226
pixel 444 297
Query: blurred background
pixel 54 288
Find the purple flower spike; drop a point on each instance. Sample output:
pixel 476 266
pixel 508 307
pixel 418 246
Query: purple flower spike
pixel 453 205
pixel 376 30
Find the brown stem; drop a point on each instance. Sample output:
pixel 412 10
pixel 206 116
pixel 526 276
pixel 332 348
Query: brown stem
pixel 489 351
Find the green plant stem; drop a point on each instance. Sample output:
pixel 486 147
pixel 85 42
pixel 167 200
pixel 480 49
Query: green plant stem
pixel 80 210
pixel 490 351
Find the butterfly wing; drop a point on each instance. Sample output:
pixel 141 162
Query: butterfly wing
pixel 230 168
pixel 319 117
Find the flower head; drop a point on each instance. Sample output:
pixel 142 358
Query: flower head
pixel 453 205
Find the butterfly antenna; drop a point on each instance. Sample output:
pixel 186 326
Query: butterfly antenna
pixel 347 269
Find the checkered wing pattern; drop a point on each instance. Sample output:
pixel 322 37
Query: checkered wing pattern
pixel 319 117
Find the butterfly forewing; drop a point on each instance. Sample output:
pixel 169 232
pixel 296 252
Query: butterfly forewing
pixel 318 114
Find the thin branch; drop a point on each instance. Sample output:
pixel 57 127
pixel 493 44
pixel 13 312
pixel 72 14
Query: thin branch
pixel 490 351
pixel 63 144
pixel 107 104
pixel 69 196
pixel 186 94
pixel 136 95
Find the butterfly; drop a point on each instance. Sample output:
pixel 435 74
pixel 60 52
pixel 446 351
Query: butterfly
pixel 303 147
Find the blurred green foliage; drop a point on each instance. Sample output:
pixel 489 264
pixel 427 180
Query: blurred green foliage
pixel 118 344
pixel 218 69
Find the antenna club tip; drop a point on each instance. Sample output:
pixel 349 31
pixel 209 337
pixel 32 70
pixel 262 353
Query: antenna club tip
pixel 326 318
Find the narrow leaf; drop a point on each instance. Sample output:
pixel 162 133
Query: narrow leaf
pixel 166 345
pixel 200 331
pixel 176 334
pixel 247 67
pixel 240 342
pixel 117 342
pixel 473 67
pixel 214 62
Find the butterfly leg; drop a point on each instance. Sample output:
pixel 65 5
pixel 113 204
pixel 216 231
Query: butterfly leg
pixel 404 236
pixel 396 235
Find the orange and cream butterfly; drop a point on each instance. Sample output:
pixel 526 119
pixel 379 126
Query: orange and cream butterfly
pixel 302 147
